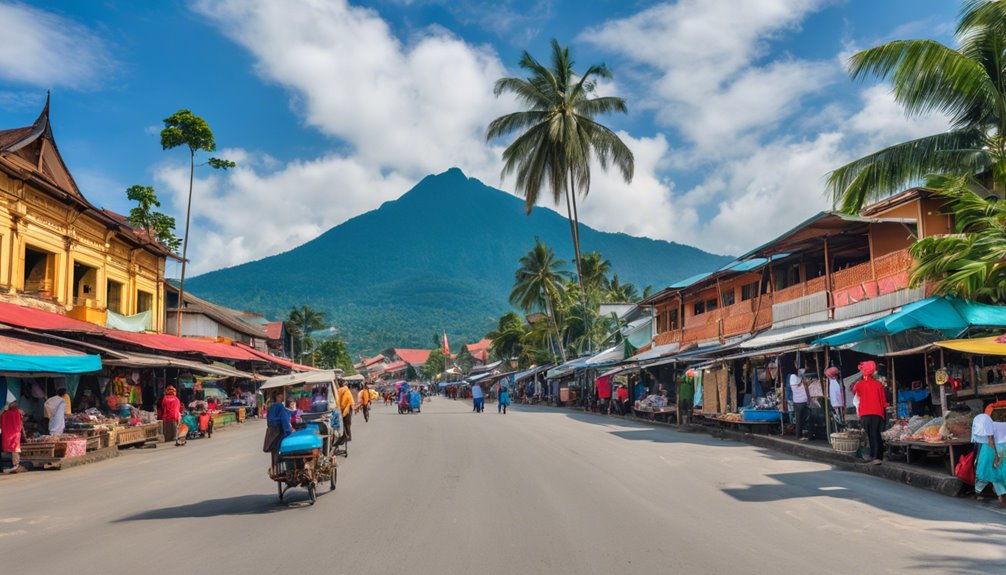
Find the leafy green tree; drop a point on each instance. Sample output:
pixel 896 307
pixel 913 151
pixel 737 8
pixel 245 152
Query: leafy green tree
pixel 558 135
pixel 595 271
pixel 159 227
pixel 434 365
pixel 538 285
pixel 508 337
pixel 622 292
pixel 300 322
pixel 968 83
pixel 972 262
pixel 332 354
pixel 465 360
pixel 183 128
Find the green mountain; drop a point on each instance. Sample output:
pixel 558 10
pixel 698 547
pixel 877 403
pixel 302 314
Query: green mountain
pixel 441 257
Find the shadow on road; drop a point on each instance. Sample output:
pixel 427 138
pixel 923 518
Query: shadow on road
pixel 240 505
pixel 849 486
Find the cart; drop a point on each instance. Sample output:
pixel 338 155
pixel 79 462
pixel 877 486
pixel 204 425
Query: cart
pixel 308 456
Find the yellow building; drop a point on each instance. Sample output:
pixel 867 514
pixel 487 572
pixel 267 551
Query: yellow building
pixel 57 251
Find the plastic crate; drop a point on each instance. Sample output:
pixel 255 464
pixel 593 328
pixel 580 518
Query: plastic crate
pixel 762 415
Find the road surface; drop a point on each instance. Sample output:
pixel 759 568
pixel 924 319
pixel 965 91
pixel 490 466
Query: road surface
pixel 448 491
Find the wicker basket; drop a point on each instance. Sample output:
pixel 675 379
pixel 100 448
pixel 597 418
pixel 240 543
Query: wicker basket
pixel 845 442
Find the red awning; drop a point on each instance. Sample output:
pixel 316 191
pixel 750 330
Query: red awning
pixel 272 358
pixel 31 318
pixel 15 346
pixel 167 342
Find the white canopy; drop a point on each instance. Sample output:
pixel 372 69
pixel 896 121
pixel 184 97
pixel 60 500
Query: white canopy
pixel 321 376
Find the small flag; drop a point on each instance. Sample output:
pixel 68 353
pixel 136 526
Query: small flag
pixel 447 348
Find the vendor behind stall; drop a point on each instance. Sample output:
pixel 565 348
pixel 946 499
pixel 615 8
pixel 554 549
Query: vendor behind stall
pixel 55 412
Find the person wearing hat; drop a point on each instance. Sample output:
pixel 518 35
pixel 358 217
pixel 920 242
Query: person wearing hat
pixel 801 414
pixel 171 413
pixel 872 409
pixel 836 394
pixel 11 432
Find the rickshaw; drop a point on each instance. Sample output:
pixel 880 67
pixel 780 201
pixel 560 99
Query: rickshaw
pixel 307 456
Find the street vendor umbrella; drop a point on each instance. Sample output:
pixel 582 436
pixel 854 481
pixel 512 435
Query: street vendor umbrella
pixel 979 345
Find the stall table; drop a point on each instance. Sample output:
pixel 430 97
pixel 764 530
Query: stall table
pixel 756 427
pixel 656 413
pixel 952 447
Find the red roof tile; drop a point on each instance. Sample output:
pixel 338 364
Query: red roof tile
pixel 413 356
pixel 274 330
pixel 395 367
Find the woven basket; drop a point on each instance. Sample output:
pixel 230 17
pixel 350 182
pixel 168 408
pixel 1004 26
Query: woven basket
pixel 845 443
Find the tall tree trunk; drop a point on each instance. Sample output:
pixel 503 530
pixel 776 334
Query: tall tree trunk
pixel 558 337
pixel 579 266
pixel 576 239
pixel 185 246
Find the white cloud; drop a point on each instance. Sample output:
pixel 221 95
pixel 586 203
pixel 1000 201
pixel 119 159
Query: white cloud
pixel 45 49
pixel 883 121
pixel 710 81
pixel 418 107
pixel 255 210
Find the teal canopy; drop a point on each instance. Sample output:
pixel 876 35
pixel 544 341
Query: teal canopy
pixel 64 364
pixel 947 315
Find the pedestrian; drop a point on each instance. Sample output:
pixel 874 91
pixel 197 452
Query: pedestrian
pixel 478 399
pixel 686 397
pixel 171 414
pixel 800 411
pixel 872 409
pixel 365 403
pixel 990 441
pixel 836 395
pixel 12 432
pixel 346 405
pixel 504 401
pixel 277 426
pixel 55 411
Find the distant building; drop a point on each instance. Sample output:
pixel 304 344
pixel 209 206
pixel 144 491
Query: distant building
pixel 59 252
pixel 201 318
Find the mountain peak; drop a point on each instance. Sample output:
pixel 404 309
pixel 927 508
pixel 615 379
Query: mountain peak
pixel 441 257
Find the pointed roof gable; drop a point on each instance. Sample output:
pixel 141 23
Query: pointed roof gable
pixel 414 357
pixel 34 148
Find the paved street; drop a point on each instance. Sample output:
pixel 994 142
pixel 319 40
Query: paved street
pixel 449 491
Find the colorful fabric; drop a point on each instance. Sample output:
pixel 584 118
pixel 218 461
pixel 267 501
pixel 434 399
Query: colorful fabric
pixel 345 401
pixel 171 408
pixel 11 425
pixel 986 473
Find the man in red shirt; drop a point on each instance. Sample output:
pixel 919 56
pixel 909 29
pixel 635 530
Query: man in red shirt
pixel 623 399
pixel 872 409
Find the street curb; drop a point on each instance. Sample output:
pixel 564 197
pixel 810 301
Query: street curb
pixel 899 472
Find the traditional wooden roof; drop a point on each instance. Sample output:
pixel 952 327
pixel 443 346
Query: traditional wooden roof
pixel 414 357
pixel 225 316
pixel 30 153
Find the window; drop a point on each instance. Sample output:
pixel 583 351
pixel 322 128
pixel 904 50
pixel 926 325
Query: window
pixel 144 301
pixel 671 316
pixel 85 279
pixel 114 295
pixel 711 304
pixel 728 297
pixel 699 308
pixel 39 272
pixel 749 291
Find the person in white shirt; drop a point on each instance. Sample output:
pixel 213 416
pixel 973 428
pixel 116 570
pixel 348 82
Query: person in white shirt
pixel 55 410
pixel 801 414
pixel 836 394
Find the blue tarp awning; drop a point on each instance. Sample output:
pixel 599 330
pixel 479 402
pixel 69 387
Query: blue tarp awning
pixel 67 364
pixel 947 315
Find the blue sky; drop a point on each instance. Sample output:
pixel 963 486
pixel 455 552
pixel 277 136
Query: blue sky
pixel 738 109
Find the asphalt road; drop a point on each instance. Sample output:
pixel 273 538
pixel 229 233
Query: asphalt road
pixel 449 491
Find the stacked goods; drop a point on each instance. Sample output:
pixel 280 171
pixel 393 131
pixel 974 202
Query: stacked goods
pixel 930 432
pixel 957 425
pixel 903 428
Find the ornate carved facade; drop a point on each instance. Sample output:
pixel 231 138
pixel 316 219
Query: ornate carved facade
pixel 59 252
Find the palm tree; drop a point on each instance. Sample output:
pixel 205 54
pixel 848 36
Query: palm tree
pixel 622 292
pixel 595 271
pixel 507 337
pixel 301 322
pixel 538 285
pixel 558 136
pixel 967 83
pixel 972 262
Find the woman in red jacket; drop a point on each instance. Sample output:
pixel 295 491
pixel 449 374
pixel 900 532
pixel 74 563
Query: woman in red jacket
pixel 872 409
pixel 171 413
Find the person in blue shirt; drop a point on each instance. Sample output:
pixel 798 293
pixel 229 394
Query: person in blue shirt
pixel 478 399
pixel 504 401
pixel 278 425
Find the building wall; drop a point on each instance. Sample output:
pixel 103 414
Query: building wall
pixel 31 218
pixel 888 238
